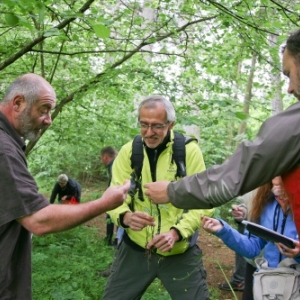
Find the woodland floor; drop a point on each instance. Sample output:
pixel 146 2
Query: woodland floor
pixel 215 255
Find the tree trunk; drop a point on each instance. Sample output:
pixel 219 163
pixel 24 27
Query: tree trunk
pixel 247 97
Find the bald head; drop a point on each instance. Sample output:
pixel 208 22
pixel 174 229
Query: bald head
pixel 27 105
pixel 29 86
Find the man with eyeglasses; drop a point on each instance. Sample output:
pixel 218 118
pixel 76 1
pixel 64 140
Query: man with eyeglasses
pixel 274 151
pixel 174 256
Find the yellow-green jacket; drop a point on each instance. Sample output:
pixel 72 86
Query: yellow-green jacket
pixel 186 222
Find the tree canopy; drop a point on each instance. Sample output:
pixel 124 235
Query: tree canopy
pixel 103 57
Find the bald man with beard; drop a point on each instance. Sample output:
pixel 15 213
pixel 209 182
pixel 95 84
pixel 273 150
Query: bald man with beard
pixel 25 111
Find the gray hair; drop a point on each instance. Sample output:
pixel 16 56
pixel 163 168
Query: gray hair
pixel 151 102
pixel 29 87
pixel 62 178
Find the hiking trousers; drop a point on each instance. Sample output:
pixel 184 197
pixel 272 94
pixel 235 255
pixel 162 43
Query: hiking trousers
pixel 183 275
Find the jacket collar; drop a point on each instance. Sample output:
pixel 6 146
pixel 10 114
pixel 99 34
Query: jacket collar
pixel 6 126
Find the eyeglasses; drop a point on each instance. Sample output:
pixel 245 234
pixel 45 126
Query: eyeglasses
pixel 154 127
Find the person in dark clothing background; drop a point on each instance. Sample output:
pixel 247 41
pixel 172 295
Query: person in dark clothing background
pixel 107 156
pixel 65 188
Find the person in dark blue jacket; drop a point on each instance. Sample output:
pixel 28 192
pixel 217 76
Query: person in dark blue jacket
pixel 65 188
pixel 270 208
pixel 107 156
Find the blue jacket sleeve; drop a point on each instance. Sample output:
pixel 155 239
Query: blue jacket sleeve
pixel 246 244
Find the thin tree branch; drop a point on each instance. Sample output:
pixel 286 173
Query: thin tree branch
pixel 39 39
pixel 283 8
pixel 237 17
pixel 4 32
pixel 98 77
pixel 104 51
pixel 58 57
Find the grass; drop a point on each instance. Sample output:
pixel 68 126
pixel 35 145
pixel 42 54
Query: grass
pixel 65 267
pixel 65 264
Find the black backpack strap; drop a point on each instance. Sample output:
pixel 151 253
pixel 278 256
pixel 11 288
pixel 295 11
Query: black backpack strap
pixel 179 156
pixel 179 152
pixel 137 156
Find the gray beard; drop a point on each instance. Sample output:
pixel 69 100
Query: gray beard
pixel 31 136
pixel 26 126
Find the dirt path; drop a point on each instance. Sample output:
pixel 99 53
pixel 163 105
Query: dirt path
pixel 217 256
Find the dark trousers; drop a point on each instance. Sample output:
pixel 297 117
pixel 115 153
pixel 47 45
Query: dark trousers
pixel 109 229
pixel 183 275
pixel 248 289
pixel 240 262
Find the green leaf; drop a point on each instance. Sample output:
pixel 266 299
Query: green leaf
pixel 101 31
pixel 42 14
pixel 24 23
pixel 52 32
pixel 11 19
pixel 138 21
pixel 241 115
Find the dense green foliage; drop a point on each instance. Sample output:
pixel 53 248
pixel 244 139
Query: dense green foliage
pixel 65 265
pixel 102 57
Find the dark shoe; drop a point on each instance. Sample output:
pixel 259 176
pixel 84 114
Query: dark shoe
pixel 105 273
pixel 235 286
pixel 107 241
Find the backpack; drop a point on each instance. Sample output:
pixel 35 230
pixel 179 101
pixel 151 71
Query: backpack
pixel 281 283
pixel 137 158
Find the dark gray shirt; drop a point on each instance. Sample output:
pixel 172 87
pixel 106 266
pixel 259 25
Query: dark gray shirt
pixel 19 197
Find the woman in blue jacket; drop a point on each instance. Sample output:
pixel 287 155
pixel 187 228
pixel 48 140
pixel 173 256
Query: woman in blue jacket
pixel 270 208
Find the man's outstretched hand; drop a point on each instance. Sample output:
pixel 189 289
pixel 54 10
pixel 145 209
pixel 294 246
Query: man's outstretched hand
pixel 114 196
pixel 157 191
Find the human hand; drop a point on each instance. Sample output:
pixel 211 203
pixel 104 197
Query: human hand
pixel 63 198
pixel 138 220
pixel 279 192
pixel 289 252
pixel 278 188
pixel 238 212
pixel 211 225
pixel 157 191
pixel 115 195
pixel 164 242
